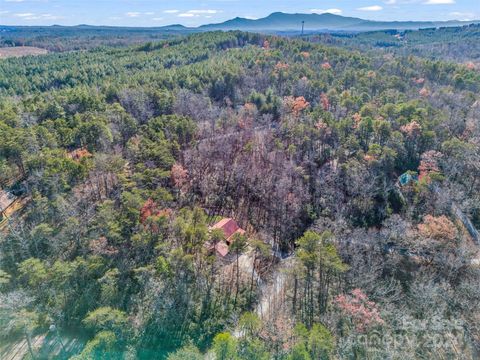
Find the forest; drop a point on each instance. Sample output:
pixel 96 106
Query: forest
pixel 458 44
pixel 354 175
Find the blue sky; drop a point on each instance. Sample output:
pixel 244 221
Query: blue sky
pixel 193 13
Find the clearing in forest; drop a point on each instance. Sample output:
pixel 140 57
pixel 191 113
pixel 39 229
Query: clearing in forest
pixel 19 51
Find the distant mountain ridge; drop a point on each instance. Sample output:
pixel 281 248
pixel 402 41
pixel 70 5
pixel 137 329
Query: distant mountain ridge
pixel 279 21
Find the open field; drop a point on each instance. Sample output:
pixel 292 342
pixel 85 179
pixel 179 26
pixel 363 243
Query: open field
pixel 19 51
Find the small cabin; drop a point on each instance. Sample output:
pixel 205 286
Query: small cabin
pixel 230 228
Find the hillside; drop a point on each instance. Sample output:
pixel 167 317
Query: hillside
pixel 237 196
pixel 459 44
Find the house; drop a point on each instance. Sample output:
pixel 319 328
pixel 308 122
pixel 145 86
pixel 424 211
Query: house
pixel 230 228
pixel 7 200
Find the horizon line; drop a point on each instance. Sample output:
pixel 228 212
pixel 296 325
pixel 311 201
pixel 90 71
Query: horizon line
pixel 466 21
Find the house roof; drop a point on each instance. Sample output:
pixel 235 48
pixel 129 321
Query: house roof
pixel 229 227
pixel 6 200
pixel 222 248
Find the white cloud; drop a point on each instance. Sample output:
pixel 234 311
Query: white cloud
pixel 329 11
pixel 203 11
pixel 133 14
pixel 173 11
pixel 14 1
pixel 150 13
pixel 32 16
pixel 196 13
pixel 439 2
pixel 371 8
pixel 464 16
pixel 157 19
pixel 23 15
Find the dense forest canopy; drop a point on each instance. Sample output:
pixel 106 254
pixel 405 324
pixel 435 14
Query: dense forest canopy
pixel 355 176
pixel 459 44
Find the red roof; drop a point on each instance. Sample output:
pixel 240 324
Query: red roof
pixel 229 227
pixel 222 248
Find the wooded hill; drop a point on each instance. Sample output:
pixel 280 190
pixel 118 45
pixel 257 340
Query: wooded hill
pixel 123 158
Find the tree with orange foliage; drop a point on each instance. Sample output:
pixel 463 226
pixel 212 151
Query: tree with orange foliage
pixel 296 105
pixel 326 66
pixel 412 129
pixel 424 92
pixel 281 66
pixel 438 228
pixel 179 176
pixel 429 163
pixel 148 209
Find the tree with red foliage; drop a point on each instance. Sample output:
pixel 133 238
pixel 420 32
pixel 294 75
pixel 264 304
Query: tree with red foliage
pixel 148 209
pixel 363 313
pixel 429 163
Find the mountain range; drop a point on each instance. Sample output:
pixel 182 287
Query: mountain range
pixel 279 22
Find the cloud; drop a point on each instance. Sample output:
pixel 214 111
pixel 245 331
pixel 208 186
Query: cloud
pixel 32 16
pixel 329 11
pixel 196 13
pixel 136 14
pixel 439 2
pixel 23 15
pixel 464 16
pixel 203 11
pixel 371 8
pixel 172 11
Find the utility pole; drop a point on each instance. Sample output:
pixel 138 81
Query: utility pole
pixel 303 26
